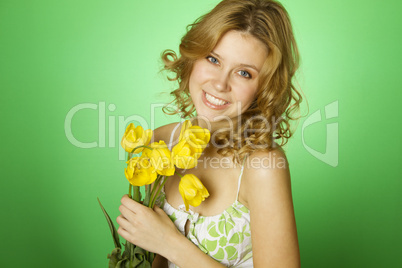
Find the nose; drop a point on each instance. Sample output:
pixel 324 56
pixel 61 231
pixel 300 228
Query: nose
pixel 221 81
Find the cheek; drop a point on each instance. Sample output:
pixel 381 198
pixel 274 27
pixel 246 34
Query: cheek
pixel 247 93
pixel 200 72
pixel 246 96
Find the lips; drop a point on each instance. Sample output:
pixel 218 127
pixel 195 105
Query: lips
pixel 214 102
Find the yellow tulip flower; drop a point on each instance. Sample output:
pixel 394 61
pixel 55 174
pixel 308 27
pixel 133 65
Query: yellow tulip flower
pixel 135 136
pixel 185 156
pixel 186 125
pixel 139 171
pixel 160 158
pixel 192 141
pixel 197 137
pixel 192 190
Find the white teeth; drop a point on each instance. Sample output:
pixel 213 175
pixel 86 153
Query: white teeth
pixel 214 100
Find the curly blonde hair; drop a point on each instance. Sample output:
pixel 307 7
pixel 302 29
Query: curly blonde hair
pixel 277 98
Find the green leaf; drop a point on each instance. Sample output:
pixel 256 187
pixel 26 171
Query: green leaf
pixel 234 212
pixel 225 225
pixel 173 217
pixel 211 230
pixel 219 255
pixel 231 251
pixel 241 237
pixel 140 259
pixel 210 245
pixel 135 257
pixel 235 239
pixel 124 263
pixel 115 235
pixel 114 257
pixel 200 220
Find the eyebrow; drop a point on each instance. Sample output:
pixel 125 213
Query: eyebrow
pixel 241 64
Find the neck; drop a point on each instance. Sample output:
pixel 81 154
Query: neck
pixel 226 124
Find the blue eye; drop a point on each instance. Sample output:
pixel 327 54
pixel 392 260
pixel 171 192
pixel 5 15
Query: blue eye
pixel 212 59
pixel 245 74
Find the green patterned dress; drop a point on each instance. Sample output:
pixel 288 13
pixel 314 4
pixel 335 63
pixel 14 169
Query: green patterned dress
pixel 225 237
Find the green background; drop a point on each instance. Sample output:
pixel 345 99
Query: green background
pixel 55 55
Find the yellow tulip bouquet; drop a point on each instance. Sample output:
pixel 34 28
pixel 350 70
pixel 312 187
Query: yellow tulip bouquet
pixel 153 164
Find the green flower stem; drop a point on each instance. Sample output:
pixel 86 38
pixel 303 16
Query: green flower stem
pixel 154 196
pixel 141 146
pixel 137 194
pixel 158 192
pixel 147 199
pixel 156 183
pixel 129 185
pixel 181 176
pixel 154 190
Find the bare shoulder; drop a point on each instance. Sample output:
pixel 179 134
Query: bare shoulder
pixel 266 163
pixel 164 132
pixel 265 172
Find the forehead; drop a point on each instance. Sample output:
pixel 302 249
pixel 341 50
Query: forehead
pixel 242 49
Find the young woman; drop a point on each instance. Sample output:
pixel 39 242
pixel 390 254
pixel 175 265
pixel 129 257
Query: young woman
pixel 235 71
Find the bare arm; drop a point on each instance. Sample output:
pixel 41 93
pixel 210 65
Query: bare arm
pixel 152 230
pixel 273 225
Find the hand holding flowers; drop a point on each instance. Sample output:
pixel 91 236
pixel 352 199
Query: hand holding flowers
pixel 145 227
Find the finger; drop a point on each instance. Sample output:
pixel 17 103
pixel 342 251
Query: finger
pixel 131 204
pixel 123 223
pixel 125 234
pixel 127 213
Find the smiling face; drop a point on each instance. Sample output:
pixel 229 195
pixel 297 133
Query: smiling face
pixel 226 81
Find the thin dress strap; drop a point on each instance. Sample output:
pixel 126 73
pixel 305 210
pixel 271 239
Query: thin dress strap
pixel 241 174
